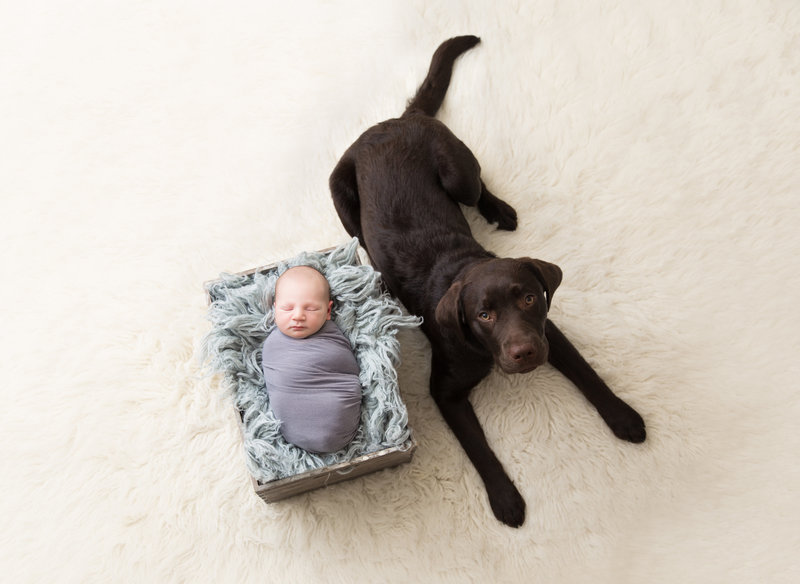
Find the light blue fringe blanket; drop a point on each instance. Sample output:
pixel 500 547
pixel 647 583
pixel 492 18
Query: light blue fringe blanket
pixel 241 316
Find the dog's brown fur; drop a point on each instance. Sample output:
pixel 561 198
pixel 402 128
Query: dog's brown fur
pixel 398 189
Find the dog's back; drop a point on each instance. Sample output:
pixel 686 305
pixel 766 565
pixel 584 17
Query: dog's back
pixel 397 189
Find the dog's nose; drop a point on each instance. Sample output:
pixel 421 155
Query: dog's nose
pixel 522 356
pixel 521 352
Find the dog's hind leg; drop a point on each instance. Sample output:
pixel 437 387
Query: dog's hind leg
pixel 344 191
pixel 460 176
pixel 495 210
pixel 458 170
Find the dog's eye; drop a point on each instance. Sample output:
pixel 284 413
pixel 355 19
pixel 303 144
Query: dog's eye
pixel 530 299
pixel 483 315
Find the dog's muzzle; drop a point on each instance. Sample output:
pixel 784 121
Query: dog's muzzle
pixel 522 356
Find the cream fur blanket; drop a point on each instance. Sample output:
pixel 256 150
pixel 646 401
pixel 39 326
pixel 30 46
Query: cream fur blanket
pixel 651 150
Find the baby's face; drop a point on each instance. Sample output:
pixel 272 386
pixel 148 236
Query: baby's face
pixel 301 302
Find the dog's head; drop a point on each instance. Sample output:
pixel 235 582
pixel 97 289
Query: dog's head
pixel 502 304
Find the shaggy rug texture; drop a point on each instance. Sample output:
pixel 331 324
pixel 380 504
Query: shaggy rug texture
pixel 651 149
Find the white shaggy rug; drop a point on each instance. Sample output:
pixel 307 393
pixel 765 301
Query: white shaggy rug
pixel 652 150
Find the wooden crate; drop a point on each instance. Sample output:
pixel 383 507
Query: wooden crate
pixel 284 488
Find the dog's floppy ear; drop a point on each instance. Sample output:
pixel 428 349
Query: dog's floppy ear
pixel 548 274
pixel 448 311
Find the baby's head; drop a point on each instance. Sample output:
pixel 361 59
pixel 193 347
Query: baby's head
pixel 302 302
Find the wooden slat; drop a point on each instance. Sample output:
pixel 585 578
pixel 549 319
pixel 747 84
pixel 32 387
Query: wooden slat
pixel 301 483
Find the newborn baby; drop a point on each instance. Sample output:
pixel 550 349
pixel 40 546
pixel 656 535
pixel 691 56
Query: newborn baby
pixel 309 367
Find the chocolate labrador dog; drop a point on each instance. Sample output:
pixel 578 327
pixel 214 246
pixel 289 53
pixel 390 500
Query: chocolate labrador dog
pixel 398 189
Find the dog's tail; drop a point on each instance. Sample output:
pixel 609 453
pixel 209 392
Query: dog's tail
pixel 430 94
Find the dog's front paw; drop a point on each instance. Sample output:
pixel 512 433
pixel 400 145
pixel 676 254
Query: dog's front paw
pixel 626 423
pixel 507 504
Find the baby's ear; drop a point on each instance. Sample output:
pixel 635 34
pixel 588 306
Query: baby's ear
pixel 330 306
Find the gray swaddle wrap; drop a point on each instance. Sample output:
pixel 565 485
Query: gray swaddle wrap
pixel 313 388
